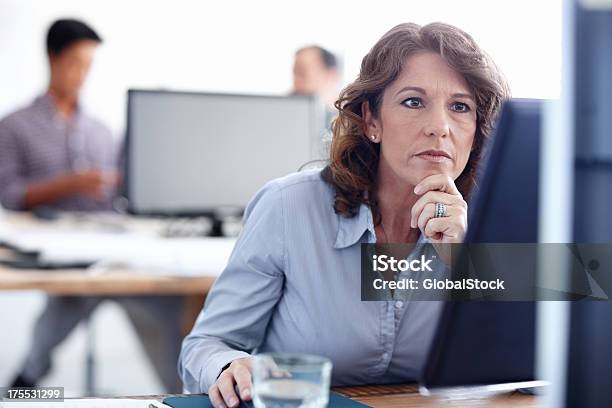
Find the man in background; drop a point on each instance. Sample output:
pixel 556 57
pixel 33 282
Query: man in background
pixel 55 156
pixel 315 72
pixel 52 154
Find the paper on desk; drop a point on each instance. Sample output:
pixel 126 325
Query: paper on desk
pixel 87 403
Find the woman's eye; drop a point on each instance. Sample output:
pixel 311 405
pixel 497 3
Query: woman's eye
pixel 460 107
pixel 413 102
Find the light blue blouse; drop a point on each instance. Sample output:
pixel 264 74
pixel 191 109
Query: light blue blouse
pixel 292 284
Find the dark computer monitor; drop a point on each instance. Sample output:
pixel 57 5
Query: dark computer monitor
pixel 485 343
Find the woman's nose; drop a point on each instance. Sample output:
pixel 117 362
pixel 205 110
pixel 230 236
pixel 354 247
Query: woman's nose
pixel 437 123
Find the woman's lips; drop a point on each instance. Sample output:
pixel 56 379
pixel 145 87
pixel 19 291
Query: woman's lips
pixel 435 157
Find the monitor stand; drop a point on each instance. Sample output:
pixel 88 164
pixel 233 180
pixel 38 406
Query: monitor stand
pixel 216 229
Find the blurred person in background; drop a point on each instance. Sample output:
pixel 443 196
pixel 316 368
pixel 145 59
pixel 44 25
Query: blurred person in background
pixel 315 72
pixel 53 155
pixel 51 152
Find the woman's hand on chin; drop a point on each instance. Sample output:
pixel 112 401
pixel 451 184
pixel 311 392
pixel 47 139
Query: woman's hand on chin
pixel 448 229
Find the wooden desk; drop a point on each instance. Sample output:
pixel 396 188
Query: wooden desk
pixel 117 282
pixel 407 396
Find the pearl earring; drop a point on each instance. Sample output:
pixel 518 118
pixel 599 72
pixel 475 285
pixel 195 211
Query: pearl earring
pixel 373 137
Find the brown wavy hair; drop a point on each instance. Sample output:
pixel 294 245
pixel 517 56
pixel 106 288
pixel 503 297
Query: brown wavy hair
pixel 353 162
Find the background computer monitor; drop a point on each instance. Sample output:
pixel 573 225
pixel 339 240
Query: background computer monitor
pixel 194 153
pixel 480 343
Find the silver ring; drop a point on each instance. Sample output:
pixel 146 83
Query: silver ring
pixel 440 210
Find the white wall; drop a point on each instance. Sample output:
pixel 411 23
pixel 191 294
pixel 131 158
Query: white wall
pixel 247 46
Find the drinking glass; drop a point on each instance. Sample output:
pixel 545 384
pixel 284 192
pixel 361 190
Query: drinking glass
pixel 286 380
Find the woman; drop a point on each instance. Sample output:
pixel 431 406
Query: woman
pixel 405 150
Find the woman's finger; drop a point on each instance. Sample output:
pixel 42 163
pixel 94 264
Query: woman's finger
pixel 429 212
pixel 451 229
pixel 226 388
pixel 242 376
pixel 439 182
pixel 433 197
pixel 215 396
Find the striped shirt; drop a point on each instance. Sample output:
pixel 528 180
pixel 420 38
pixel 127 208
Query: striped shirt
pixel 38 143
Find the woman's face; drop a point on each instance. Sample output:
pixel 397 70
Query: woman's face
pixel 426 122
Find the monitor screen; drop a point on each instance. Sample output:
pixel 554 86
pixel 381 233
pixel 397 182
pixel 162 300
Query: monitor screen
pixel 478 342
pixel 194 153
